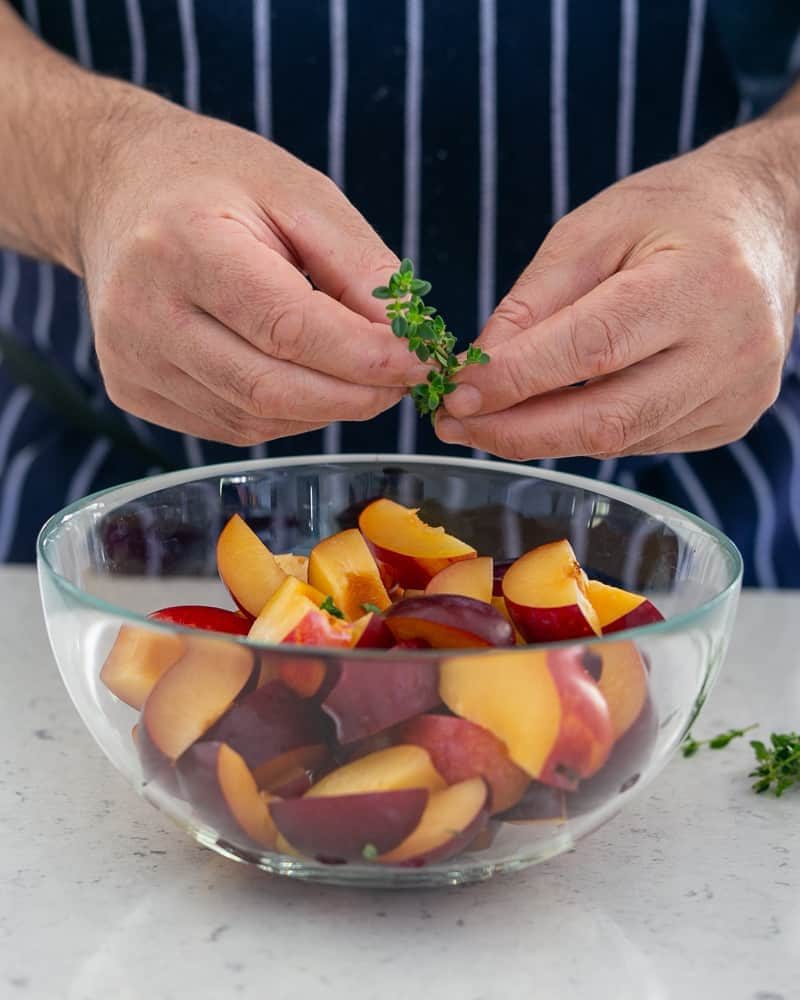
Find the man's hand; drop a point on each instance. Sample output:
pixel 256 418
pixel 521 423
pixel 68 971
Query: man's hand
pixel 671 296
pixel 195 243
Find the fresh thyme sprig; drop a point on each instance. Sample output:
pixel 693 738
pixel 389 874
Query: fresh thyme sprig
pixel 779 764
pixel 690 746
pixel 427 335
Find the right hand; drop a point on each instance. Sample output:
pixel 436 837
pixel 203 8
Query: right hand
pixel 195 240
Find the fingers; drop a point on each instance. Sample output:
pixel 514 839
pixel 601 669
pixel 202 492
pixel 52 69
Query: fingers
pixel 711 425
pixel 209 423
pixel 728 416
pixel 340 250
pixel 616 325
pixel 263 387
pixel 703 440
pixel 258 294
pixel 608 417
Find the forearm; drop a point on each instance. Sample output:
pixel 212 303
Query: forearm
pixel 55 127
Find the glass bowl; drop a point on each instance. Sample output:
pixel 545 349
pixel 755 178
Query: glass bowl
pixel 108 560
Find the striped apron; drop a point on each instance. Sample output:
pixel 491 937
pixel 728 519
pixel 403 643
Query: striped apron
pixel 512 114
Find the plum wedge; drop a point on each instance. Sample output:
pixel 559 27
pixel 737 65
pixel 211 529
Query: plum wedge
pixel 208 619
pixel 343 567
pixel 267 723
pixel 370 696
pixel 223 792
pixel 451 821
pixel 190 697
pixel 449 621
pixel 247 567
pixel 137 660
pixel 409 551
pixel 542 704
pixel 349 827
pixel 545 593
pixel 620 609
pixel 469 578
pixel 461 749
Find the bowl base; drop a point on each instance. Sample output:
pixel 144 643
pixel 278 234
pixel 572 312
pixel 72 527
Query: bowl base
pixel 467 872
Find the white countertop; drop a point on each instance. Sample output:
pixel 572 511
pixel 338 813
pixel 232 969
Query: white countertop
pixel 694 892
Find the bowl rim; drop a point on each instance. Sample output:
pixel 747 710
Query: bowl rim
pixel 676 623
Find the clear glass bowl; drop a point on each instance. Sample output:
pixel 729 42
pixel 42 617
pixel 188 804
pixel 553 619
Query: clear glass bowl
pixel 110 559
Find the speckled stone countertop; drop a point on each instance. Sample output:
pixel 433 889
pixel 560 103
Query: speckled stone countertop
pixel 694 892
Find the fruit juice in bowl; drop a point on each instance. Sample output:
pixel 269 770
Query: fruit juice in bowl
pixel 386 670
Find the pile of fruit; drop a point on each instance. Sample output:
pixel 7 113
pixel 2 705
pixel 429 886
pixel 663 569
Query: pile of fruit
pixel 385 756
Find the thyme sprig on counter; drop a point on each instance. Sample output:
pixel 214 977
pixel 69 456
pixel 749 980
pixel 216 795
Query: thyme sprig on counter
pixel 690 746
pixel 778 761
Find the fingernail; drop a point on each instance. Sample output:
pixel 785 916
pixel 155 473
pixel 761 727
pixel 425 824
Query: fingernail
pixel 464 402
pixel 451 431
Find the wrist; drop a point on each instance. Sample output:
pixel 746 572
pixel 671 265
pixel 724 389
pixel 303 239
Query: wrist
pixel 777 139
pixel 763 155
pixel 782 126
pixel 119 114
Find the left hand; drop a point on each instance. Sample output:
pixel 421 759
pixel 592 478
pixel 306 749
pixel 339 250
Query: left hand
pixel 672 295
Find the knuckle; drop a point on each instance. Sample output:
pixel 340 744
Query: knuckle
pixel 596 343
pixel 516 376
pixel 317 193
pixel 258 393
pixel 152 239
pixel 730 268
pixel 605 431
pixel 281 331
pixel 566 236
pixel 560 233
pixel 508 441
pixel 321 184
pixel 515 311
pixel 372 257
pixel 732 276
pixel 241 428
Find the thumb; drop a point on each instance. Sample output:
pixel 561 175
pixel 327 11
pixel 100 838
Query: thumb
pixel 571 261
